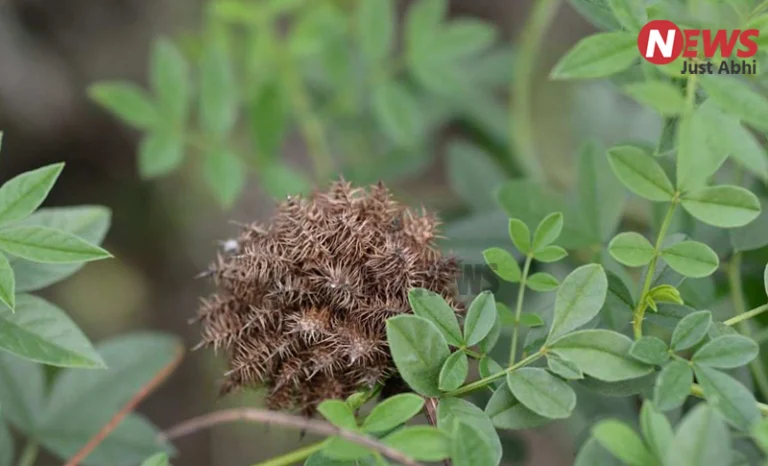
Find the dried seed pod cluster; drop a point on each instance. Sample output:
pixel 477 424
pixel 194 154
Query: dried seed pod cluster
pixel 301 304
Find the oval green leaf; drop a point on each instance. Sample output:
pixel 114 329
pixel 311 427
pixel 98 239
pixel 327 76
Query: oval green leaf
pixel 578 299
pixel 641 173
pixel 726 352
pixel 722 206
pixel 480 318
pixel 503 264
pixel 432 306
pixel 419 351
pixel 542 392
pixel 631 249
pixel 691 258
pixel 673 385
pixel 602 354
pixel 47 245
pixel 601 54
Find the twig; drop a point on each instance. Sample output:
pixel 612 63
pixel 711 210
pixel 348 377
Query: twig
pixel 287 420
pixel 148 388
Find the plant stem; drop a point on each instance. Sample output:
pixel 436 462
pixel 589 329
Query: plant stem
pixel 519 307
pixel 521 92
pixel 737 299
pixel 639 313
pixel 29 454
pixel 747 315
pixel 487 380
pixel 759 9
pixel 294 457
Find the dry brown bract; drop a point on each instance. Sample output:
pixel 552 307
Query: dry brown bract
pixel 301 306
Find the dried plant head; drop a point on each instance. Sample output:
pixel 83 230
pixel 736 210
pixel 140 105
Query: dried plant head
pixel 301 302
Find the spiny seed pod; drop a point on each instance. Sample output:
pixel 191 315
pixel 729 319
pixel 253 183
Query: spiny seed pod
pixel 301 303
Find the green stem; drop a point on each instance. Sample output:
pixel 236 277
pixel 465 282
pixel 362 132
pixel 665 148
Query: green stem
pixel 487 380
pixel 521 126
pixel 747 315
pixel 473 354
pixel 639 313
pixel 29 455
pixel 759 9
pixel 294 457
pixel 739 308
pixel 519 307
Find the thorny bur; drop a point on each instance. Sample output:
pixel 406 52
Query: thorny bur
pixel 301 304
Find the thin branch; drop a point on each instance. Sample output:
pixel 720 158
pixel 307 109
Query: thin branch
pixel 148 388
pixel 287 420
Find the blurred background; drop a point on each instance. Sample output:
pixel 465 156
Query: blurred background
pixel 440 137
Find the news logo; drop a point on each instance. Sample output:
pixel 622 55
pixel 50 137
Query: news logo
pixel 707 51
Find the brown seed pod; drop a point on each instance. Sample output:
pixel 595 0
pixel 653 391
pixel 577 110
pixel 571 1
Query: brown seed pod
pixel 301 303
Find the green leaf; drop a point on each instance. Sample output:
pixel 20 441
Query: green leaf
pixel 506 412
pixel 269 121
pixel 548 230
pixel 673 385
pixel 736 97
pixel 631 14
pixel 702 439
pixel 503 264
pixel 469 448
pixel 661 96
pixel 750 237
pixel 691 258
pixel 602 354
pixel 133 440
pixel 218 98
pixel 87 222
pixel 375 28
pixel 91 398
pixel 160 153
pixel 473 175
pixel 695 161
pixel 520 235
pixel 618 438
pixel 601 194
pixel 487 367
pixel 48 245
pixel 598 13
pixel 224 174
pixel 462 38
pixel 432 306
pixel 398 114
pixel 392 412
pixel 24 193
pixel 22 392
pixel 454 371
pixel 598 55
pixel 732 399
pixel 550 254
pixel 126 101
pixel 338 448
pixel 729 137
pixel 40 331
pixel 641 173
pixel 656 429
pixel 578 299
pixel 480 318
pixel 759 434
pixel 422 443
pixel 160 459
pixel 591 452
pixel 726 352
pixel 530 319
pixel 489 341
pixel 421 23
pixel 631 249
pixel 563 367
pixel 452 410
pixel 338 413
pixel 650 350
pixel 542 392
pixel 542 282
pixel 722 206
pixel 690 330
pixel 419 351
pixel 169 75
pixel 7 284
pixel 281 180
